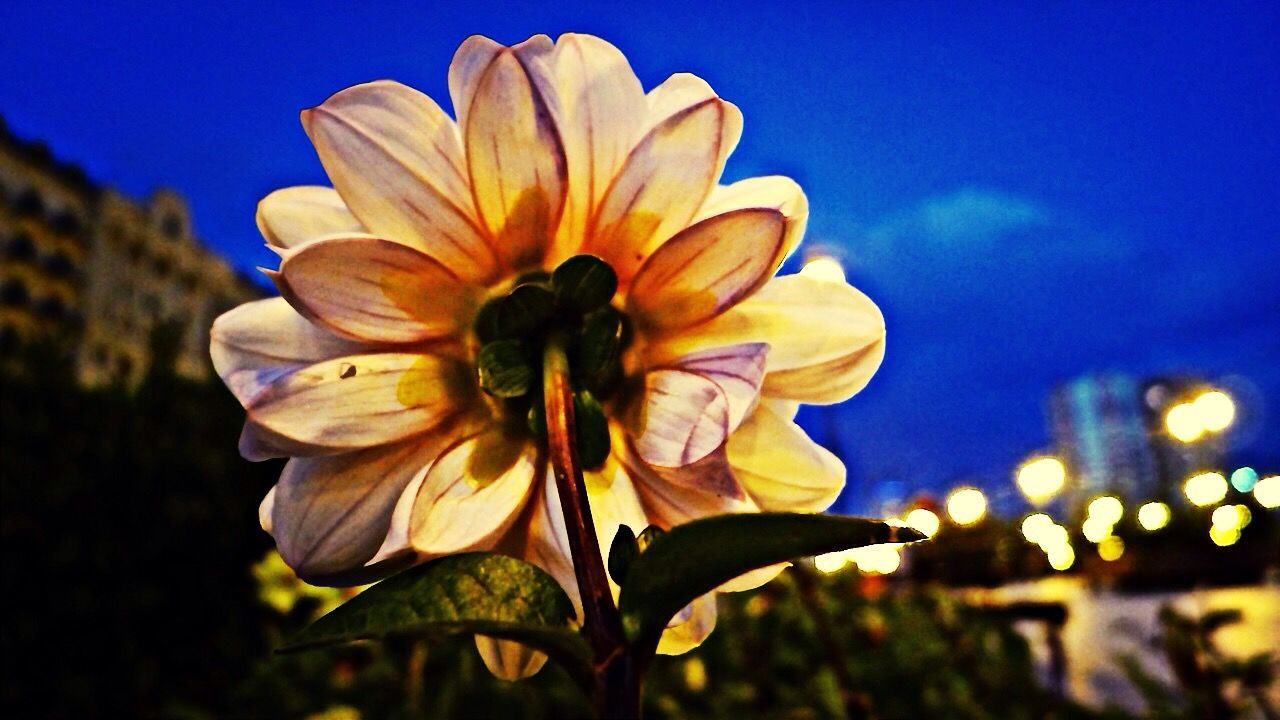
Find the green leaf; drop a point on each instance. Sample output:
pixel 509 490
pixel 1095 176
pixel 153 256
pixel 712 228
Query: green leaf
pixel 468 593
pixel 622 552
pixel 505 370
pixel 584 283
pixel 597 350
pixel 524 311
pixel 593 430
pixel 693 559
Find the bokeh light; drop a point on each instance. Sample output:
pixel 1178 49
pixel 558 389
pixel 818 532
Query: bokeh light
pixel 1061 557
pixel 1207 488
pixel 1230 517
pixel 830 562
pixel 1096 529
pixel 1041 478
pixel 1034 525
pixel 924 520
pixel 1244 478
pixel 1267 492
pixel 1153 516
pixel 1106 508
pixel 1222 537
pixel 1111 549
pixel 1183 422
pixel 1215 410
pixel 1054 536
pixel 823 267
pixel 966 505
pixel 876 559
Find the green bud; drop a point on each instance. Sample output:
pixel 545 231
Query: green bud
pixel 534 277
pixel 593 430
pixel 647 536
pixel 486 324
pixel 537 420
pixel 584 283
pixel 622 551
pixel 524 311
pixel 597 350
pixel 505 370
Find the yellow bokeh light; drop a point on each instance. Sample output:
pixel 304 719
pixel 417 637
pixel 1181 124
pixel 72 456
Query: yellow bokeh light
pixel 1096 529
pixel 830 562
pixel 966 506
pixel 926 521
pixel 1106 508
pixel 1208 488
pixel 1061 557
pixel 1183 422
pixel 1041 478
pixel 1231 517
pixel 1222 537
pixel 1054 536
pixel 1034 525
pixel 876 559
pixel 1111 549
pixel 1267 492
pixel 1215 410
pixel 823 267
pixel 1153 515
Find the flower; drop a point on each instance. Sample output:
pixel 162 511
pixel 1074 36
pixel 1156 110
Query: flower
pixel 364 372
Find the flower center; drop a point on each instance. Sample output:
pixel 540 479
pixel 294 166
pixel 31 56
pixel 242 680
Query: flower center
pixel 571 306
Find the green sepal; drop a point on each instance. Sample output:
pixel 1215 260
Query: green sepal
pixel 622 552
pixel 524 311
pixel 584 283
pixel 647 536
pixel 597 350
pixel 505 370
pixel 533 277
pixel 486 322
pixel 482 593
pixel 693 559
pixel 537 421
pixel 593 430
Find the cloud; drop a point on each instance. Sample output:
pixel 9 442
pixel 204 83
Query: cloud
pixel 966 216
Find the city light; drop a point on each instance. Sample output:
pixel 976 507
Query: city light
pixel 1153 515
pixel 1222 537
pixel 876 559
pixel 1061 557
pixel 966 506
pixel 830 562
pixel 1215 410
pixel 1111 549
pixel 823 267
pixel 1231 517
pixel 1106 508
pixel 1183 423
pixel 1244 478
pixel 1207 488
pixel 924 520
pixel 1054 536
pixel 1267 492
pixel 1034 525
pixel 1096 529
pixel 1041 478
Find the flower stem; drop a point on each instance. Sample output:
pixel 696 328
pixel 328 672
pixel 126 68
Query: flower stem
pixel 617 672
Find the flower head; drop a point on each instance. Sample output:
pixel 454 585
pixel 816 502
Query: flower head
pixel 398 369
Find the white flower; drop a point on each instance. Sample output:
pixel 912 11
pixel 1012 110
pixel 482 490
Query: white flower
pixel 364 372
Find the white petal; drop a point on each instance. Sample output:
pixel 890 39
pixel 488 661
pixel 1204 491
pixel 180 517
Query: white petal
pixel 508 659
pixel 674 496
pixel 737 369
pixel 682 418
pixel 377 290
pixel 293 216
pixel 781 467
pixel 691 630
pixel 259 342
pixel 395 158
pixel 773 192
pixel 363 400
pixel 265 509
pixel 707 268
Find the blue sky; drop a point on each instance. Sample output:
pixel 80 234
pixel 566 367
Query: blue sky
pixel 1029 192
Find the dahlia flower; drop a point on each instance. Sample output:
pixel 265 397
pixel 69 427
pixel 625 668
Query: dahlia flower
pixel 398 371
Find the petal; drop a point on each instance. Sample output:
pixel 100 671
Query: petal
pixel 265 509
pixel 691 629
pixel 259 342
pixel 602 115
pixel 661 185
pixel 830 328
pixel 546 542
pixel 469 63
pixel 292 216
pixel 707 268
pixel 737 369
pixel 363 400
pixel 674 496
pixel 773 192
pixel 395 158
pixel 258 443
pixel 472 494
pixel 509 660
pixel 377 290
pixel 331 514
pixel 682 418
pixel 515 157
pixel 781 467
pixel 615 501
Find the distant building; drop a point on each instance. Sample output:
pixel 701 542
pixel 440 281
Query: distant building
pixel 84 262
pixel 1176 461
pixel 1100 429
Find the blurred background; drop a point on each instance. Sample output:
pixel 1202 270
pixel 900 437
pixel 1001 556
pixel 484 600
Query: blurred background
pixel 1068 215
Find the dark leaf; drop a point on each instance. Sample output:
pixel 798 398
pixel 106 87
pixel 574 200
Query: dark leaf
pixel 597 350
pixel 622 551
pixel 693 559
pixel 505 370
pixel 524 310
pixel 593 430
pixel 584 283
pixel 486 324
